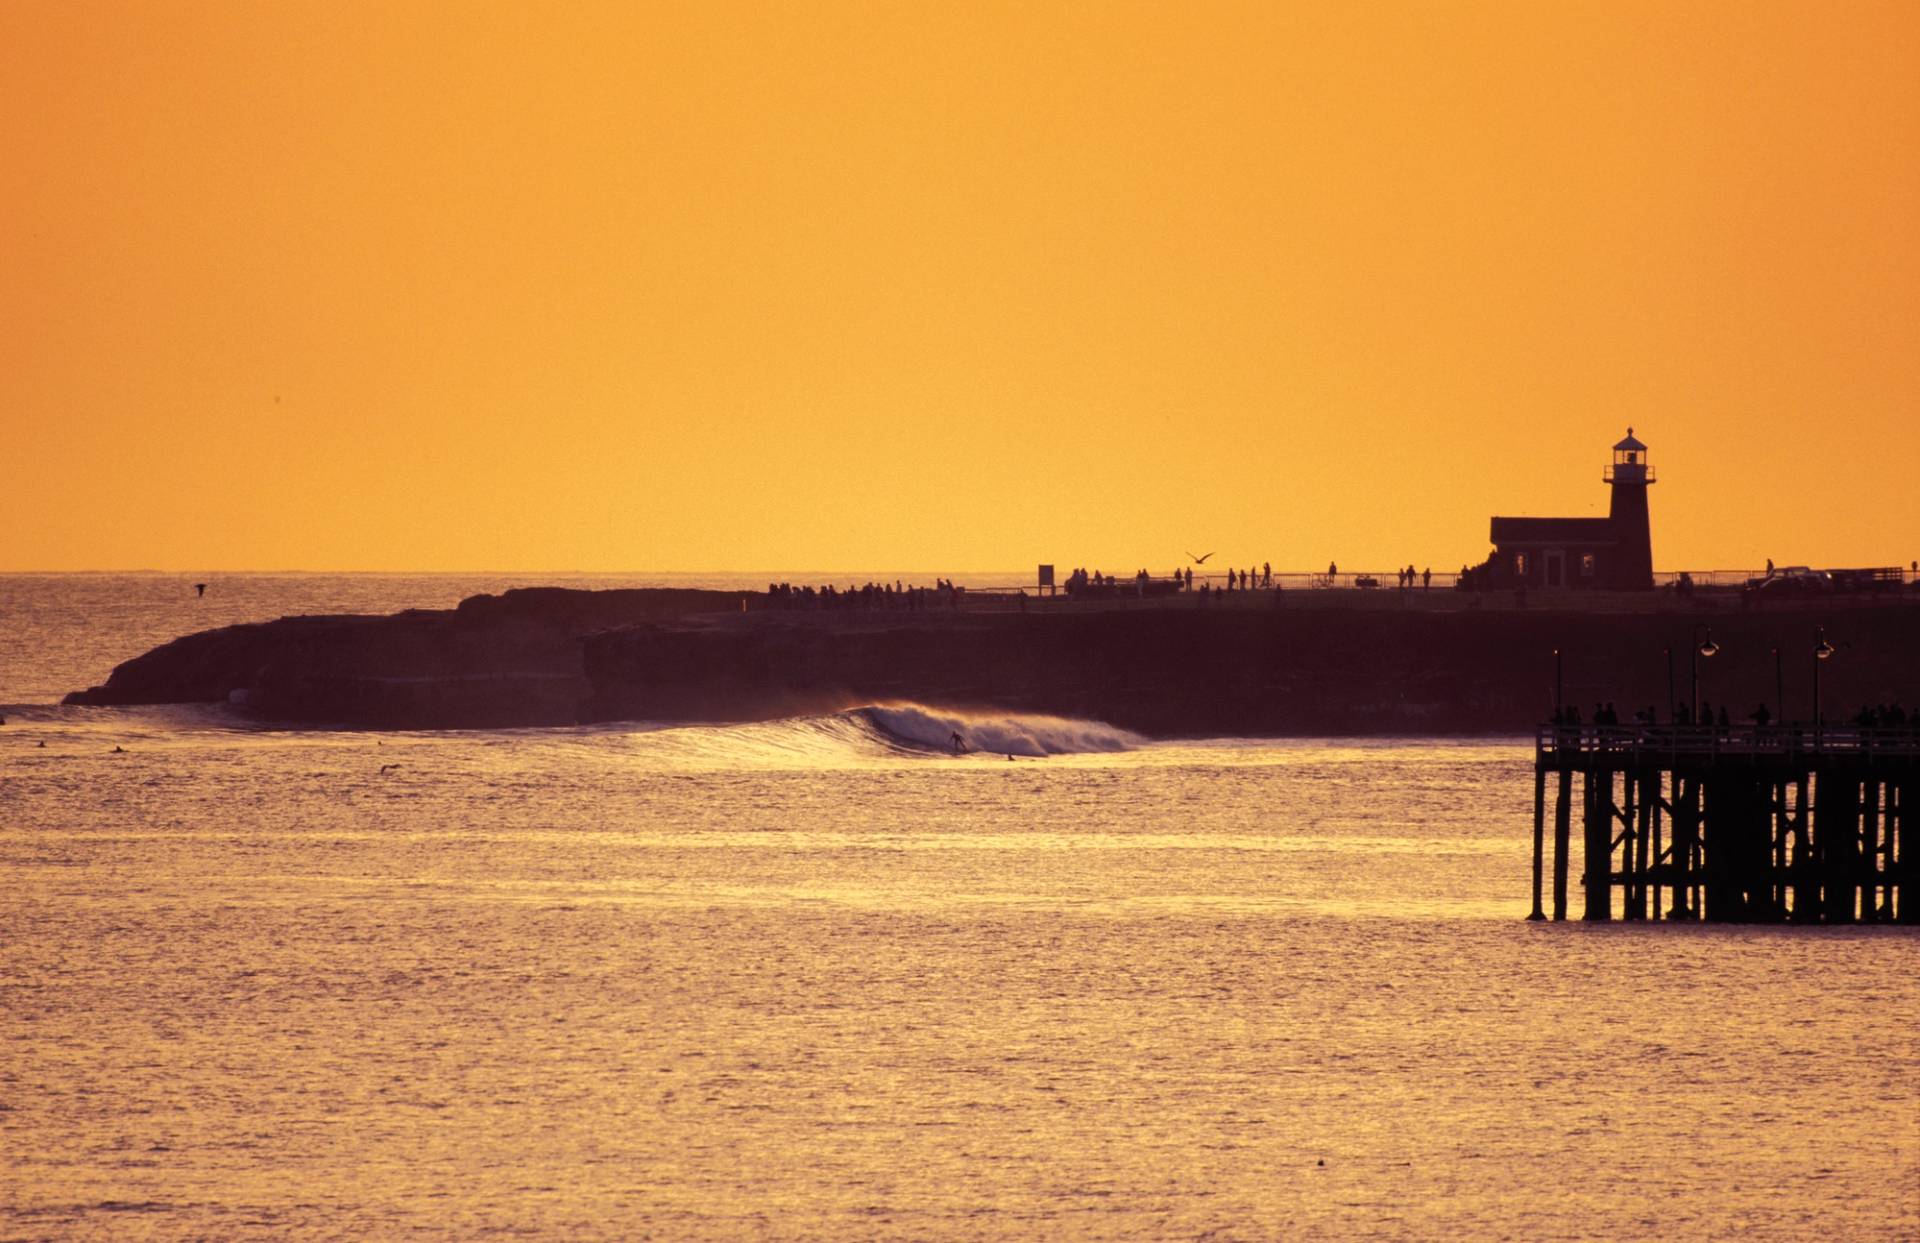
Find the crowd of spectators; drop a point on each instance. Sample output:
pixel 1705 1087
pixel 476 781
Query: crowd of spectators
pixel 895 595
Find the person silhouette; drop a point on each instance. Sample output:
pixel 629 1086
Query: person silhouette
pixel 199 589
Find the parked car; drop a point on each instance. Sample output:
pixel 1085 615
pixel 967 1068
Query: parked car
pixel 1792 580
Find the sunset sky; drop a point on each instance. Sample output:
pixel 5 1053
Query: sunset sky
pixel 965 286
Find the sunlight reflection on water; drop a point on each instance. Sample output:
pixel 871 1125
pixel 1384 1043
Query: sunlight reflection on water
pixel 604 983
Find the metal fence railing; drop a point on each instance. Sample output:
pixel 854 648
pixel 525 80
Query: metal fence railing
pixel 1113 589
pixel 1785 738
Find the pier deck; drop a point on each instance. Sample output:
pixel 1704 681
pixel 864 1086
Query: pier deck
pixel 1752 824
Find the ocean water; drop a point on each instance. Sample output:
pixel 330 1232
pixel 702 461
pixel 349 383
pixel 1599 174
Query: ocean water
pixel 824 978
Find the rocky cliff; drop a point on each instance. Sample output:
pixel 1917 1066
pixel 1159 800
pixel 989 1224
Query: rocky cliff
pixel 550 657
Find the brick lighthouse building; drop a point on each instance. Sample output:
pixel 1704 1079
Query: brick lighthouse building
pixel 1614 553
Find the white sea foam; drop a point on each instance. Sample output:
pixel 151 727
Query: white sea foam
pixel 883 732
pixel 922 727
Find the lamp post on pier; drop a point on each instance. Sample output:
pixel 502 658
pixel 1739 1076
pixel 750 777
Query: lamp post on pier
pixel 1779 688
pixel 1669 686
pixel 1558 684
pixel 1822 650
pixel 1708 649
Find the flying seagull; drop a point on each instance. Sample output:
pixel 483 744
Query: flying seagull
pixel 1199 560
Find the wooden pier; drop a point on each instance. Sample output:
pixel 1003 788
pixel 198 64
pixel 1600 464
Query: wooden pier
pixel 1755 824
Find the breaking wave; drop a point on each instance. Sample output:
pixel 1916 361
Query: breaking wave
pixel 936 729
pixel 883 731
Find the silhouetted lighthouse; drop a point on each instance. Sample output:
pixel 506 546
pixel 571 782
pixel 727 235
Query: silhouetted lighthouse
pixel 1614 553
pixel 1630 476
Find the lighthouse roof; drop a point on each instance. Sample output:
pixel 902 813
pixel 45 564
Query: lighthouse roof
pixel 1522 532
pixel 1630 443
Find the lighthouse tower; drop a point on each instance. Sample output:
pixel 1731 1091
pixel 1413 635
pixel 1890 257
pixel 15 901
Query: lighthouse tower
pixel 1630 476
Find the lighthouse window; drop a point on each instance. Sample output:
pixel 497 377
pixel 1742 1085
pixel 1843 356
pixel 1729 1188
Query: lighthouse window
pixel 1586 565
pixel 1632 457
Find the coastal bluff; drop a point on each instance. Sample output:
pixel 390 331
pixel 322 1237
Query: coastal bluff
pixel 1260 666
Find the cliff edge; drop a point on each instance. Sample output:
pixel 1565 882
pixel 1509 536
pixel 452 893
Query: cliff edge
pixel 558 657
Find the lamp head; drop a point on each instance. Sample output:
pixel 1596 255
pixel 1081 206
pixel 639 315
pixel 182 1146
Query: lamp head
pixel 1823 649
pixel 1709 648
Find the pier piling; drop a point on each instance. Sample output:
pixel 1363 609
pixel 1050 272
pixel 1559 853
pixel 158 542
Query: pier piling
pixel 1761 824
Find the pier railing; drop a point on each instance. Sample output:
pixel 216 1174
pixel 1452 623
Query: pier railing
pixel 1786 739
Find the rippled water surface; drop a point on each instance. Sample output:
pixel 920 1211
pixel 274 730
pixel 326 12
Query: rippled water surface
pixel 814 979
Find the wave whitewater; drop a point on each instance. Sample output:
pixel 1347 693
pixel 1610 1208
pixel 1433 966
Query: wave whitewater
pixel 924 728
pixel 879 731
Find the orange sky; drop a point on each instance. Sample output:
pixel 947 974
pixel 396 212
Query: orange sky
pixel 707 286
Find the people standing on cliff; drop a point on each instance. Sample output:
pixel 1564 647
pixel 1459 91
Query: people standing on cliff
pixel 1266 573
pixel 1333 572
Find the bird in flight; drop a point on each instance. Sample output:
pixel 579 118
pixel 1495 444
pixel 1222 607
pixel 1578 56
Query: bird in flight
pixel 1199 560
